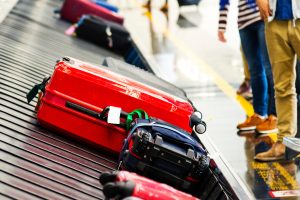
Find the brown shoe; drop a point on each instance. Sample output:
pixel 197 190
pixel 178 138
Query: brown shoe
pixel 244 88
pixel 275 153
pixel 164 8
pixel 250 123
pixel 268 126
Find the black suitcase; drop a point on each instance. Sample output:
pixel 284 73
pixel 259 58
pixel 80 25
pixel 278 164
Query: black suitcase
pixel 164 153
pixel 104 33
pixel 188 2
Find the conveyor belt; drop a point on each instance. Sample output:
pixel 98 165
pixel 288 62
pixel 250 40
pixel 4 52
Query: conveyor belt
pixel 36 163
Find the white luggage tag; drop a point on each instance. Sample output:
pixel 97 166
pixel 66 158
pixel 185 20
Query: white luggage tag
pixel 114 114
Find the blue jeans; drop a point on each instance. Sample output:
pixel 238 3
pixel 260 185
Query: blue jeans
pixel 255 50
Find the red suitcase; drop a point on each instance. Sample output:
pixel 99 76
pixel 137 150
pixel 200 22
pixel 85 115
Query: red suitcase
pixel 72 10
pixel 123 184
pixel 94 88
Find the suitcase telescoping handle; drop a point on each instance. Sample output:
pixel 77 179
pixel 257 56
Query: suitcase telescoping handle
pixel 103 115
pixel 92 113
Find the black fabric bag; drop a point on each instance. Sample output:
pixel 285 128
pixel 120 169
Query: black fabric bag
pixel 165 153
pixel 104 33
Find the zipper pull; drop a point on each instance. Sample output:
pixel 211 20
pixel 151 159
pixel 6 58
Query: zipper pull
pixel 109 39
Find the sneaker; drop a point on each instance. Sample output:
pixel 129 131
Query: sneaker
pixel 275 153
pixel 250 123
pixel 268 126
pixel 244 88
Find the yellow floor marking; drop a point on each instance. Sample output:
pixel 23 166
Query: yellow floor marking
pixel 290 179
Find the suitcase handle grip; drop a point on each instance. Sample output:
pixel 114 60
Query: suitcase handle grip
pixel 83 110
pixel 92 113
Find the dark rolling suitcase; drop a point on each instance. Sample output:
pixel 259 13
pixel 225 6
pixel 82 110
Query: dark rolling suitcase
pixel 164 153
pixel 188 2
pixel 72 10
pixel 104 33
pixel 122 184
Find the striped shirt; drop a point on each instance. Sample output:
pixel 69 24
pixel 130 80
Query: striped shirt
pixel 247 15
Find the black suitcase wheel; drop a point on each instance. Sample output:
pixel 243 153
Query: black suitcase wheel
pixel 107 177
pixel 196 123
pixel 119 189
pixel 202 166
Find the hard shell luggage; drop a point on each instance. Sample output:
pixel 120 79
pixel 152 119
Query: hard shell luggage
pixel 188 2
pixel 104 33
pixel 146 77
pixel 72 10
pixel 107 6
pixel 124 184
pixel 165 153
pixel 75 98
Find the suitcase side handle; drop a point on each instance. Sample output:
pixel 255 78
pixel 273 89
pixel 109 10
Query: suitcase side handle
pixel 101 116
pixel 36 88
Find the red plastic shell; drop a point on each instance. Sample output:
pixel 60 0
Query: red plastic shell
pixel 96 88
pixel 148 189
pixel 72 10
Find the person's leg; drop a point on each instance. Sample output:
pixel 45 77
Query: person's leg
pixel 246 67
pixel 258 80
pixel 245 88
pixel 270 125
pixel 267 65
pixel 298 77
pixel 282 58
pixel 296 46
pixel 249 41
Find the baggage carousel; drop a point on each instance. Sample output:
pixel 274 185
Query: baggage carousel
pixel 37 163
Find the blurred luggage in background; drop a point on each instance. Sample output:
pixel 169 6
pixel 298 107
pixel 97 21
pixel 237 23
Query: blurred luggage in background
pixel 104 33
pixel 72 10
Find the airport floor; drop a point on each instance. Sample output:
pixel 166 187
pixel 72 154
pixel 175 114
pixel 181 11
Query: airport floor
pixel 181 47
pixel 184 49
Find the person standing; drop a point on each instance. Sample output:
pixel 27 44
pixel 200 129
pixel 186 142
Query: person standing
pixel 283 42
pixel 252 35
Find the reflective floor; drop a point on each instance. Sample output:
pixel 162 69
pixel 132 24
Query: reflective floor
pixel 183 48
